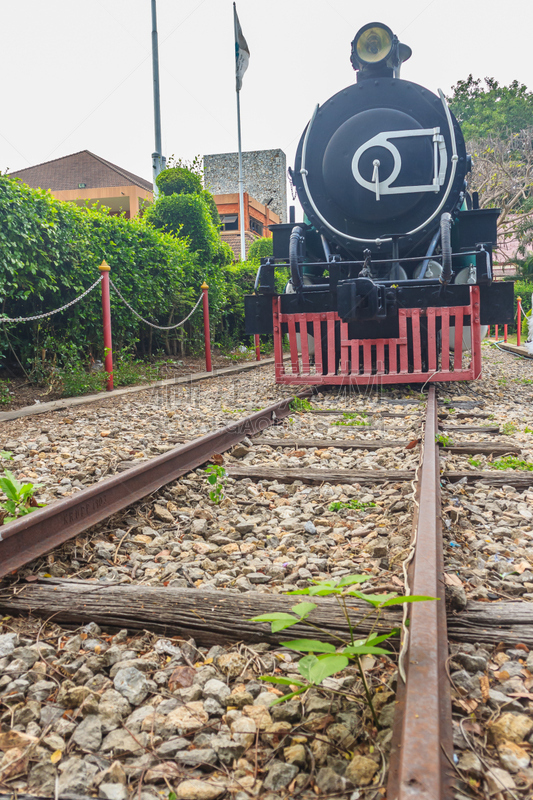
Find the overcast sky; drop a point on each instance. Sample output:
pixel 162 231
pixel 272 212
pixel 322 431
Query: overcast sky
pixel 77 75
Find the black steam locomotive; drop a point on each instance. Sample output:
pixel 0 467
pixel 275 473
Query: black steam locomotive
pixel 391 272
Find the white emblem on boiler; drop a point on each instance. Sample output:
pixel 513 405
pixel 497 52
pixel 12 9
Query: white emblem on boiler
pixel 381 187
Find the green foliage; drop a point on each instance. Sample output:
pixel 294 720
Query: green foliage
pixel 353 503
pixel 50 252
pixel 178 180
pixel 7 454
pixel 475 462
pixel 260 248
pixel 300 404
pixel 491 109
pixel 19 498
pixel 512 462
pixel 331 658
pixel 187 216
pixel 5 394
pixel 508 428
pixel 239 278
pixel 353 419
pixel 443 439
pixel 216 476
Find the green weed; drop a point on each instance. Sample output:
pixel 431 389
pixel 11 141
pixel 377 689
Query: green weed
pixel 512 462
pixel 357 504
pixel 353 419
pixel 331 658
pixel 475 462
pixel 216 477
pixel 508 428
pixel 300 404
pixel 20 498
pixel 443 439
pixel 5 394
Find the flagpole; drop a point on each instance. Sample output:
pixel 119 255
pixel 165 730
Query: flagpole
pixel 241 180
pixel 157 157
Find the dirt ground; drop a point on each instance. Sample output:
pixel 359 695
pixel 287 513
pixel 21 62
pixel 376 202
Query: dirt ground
pixel 24 393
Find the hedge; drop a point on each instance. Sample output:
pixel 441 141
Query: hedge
pixel 50 252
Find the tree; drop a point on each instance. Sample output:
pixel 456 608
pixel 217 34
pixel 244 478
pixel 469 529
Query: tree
pixel 497 123
pixel 502 174
pixel 491 109
pixel 189 211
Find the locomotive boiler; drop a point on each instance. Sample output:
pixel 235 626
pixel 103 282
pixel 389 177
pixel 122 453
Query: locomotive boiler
pixel 391 271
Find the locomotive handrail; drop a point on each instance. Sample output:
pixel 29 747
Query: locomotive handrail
pixel 407 259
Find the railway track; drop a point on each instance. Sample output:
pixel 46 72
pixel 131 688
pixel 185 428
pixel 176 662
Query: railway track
pixel 345 456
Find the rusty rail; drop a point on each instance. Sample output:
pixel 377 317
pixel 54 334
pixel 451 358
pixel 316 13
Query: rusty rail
pixel 34 535
pixel 422 748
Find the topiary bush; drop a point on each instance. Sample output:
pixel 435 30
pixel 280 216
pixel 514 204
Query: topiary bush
pixel 260 248
pixel 178 180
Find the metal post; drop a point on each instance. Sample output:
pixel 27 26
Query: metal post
pixel 518 320
pixel 106 315
pixel 207 334
pixel 505 334
pixel 257 347
pixel 157 157
pixel 496 332
pixel 241 181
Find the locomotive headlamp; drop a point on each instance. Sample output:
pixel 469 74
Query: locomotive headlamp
pixel 376 50
pixel 373 44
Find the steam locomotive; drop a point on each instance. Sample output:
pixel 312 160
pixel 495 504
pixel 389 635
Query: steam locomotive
pixel 391 272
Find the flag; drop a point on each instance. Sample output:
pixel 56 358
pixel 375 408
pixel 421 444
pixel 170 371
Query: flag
pixel 242 51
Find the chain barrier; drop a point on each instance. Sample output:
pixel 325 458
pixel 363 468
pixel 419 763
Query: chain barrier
pixel 151 324
pixel 85 293
pixel 55 311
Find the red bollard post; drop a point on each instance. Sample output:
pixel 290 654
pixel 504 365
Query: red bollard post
pixel 257 347
pixel 496 332
pixel 518 320
pixel 207 334
pixel 106 315
pixel 505 334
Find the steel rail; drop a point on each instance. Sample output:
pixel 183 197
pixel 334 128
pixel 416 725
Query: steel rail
pixel 422 748
pixel 39 532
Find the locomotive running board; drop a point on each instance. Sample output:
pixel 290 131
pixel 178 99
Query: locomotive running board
pixel 421 353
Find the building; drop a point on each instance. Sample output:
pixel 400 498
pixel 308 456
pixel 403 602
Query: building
pixel 265 177
pixel 257 218
pixel 86 178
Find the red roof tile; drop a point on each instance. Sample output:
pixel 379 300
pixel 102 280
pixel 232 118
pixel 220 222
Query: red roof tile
pixel 84 167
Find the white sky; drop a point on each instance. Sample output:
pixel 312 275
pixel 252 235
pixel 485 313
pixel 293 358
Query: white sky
pixel 78 75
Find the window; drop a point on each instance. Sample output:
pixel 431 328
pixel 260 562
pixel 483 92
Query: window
pixel 256 226
pixel 230 222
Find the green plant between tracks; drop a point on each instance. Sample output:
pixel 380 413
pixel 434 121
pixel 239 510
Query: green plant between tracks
pixel 512 462
pixel 443 439
pixel 332 658
pixel 20 497
pixel 359 505
pixel 216 476
pixel 300 404
pixel 508 428
pixel 357 418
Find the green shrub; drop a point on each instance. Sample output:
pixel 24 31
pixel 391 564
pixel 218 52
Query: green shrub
pixel 178 180
pixel 260 248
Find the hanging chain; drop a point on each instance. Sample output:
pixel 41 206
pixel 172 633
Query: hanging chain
pixel 151 324
pixel 56 311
